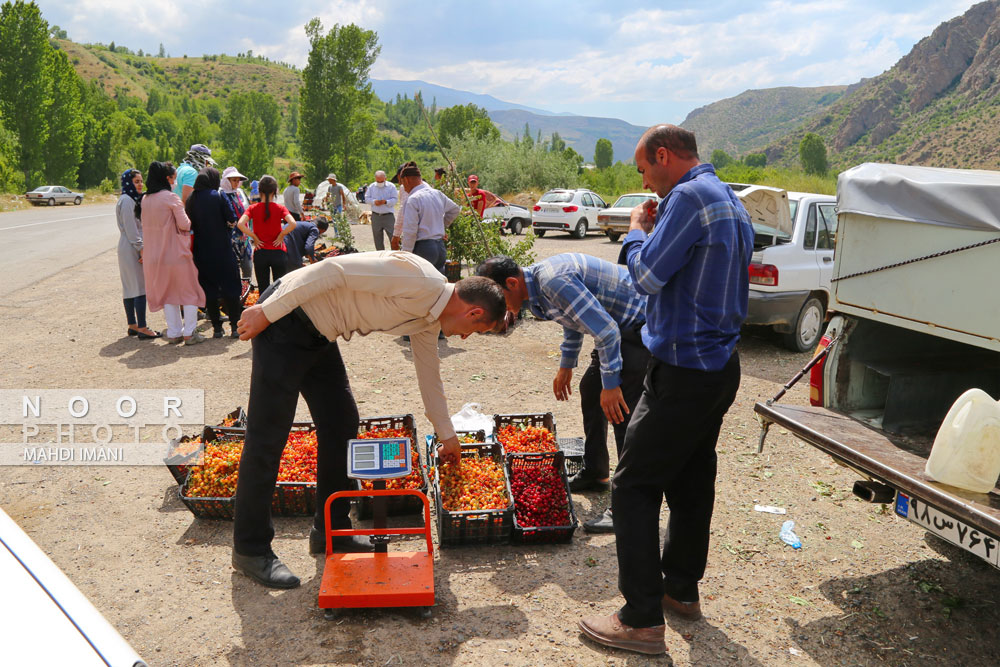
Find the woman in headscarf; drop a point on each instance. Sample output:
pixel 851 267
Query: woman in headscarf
pixel 218 273
pixel 130 255
pixel 171 277
pixel 231 181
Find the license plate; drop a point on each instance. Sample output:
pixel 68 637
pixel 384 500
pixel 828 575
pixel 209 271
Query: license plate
pixel 949 528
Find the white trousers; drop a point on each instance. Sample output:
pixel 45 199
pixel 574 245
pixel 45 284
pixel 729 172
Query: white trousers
pixel 175 327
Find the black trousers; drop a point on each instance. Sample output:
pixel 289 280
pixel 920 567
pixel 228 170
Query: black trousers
pixel 269 264
pixel 635 359
pixel 289 359
pixel 669 453
pixel 233 310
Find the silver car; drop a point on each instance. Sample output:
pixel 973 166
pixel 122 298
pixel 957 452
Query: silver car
pixel 614 221
pixel 52 195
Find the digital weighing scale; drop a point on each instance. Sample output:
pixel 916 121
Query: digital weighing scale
pixel 382 578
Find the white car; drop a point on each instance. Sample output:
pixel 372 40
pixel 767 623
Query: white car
pixel 795 234
pixel 514 218
pixel 573 211
pixel 614 221
pixel 52 195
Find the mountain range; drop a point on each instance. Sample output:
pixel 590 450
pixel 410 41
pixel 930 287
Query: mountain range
pixel 937 106
pixel 579 132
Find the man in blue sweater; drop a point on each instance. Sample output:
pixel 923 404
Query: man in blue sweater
pixel 690 255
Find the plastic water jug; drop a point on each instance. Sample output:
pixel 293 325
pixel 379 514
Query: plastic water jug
pixel 966 451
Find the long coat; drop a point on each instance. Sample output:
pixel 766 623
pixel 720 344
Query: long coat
pixel 129 249
pixel 171 277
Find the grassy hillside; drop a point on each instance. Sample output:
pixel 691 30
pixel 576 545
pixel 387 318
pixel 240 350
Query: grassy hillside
pixel 755 118
pixel 212 77
pixel 937 106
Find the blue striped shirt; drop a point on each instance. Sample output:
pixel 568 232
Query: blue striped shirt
pixel 694 268
pixel 586 295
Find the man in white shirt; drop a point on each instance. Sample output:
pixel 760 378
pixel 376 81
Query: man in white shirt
pixel 294 327
pixel 426 213
pixel 382 196
pixel 397 231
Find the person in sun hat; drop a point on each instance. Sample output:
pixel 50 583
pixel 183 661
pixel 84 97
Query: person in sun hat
pixel 336 195
pixel 293 196
pixel 232 179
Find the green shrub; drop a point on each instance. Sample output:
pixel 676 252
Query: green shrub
pixel 471 241
pixel 106 187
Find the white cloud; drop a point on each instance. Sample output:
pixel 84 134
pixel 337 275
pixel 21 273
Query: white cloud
pixel 780 43
pixel 294 48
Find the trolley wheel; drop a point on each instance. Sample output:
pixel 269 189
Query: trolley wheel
pixel 331 614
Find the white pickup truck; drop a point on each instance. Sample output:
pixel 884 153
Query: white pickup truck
pixel 915 322
pixel 44 618
pixel 794 238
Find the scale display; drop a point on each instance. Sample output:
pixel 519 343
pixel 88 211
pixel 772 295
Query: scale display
pixel 378 458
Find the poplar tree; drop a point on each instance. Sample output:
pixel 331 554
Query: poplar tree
pixel 25 95
pixel 335 123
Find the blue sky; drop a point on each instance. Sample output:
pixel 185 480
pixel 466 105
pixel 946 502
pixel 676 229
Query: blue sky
pixel 642 62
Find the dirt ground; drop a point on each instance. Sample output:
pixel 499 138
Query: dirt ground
pixel 866 588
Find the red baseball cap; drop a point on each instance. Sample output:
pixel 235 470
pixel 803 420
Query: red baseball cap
pixel 473 177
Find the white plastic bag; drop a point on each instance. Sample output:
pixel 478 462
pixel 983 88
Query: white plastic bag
pixel 469 418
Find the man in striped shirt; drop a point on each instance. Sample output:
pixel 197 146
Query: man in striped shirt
pixel 690 255
pixel 587 296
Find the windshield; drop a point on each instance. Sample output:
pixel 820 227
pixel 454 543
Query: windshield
pixel 793 206
pixel 557 197
pixel 631 201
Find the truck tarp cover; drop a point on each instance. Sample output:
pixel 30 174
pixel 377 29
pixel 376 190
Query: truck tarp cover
pixel 965 198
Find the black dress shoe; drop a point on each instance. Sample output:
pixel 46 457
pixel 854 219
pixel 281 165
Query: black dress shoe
pixel 342 544
pixel 605 523
pixel 133 332
pixel 217 333
pixel 267 570
pixel 587 481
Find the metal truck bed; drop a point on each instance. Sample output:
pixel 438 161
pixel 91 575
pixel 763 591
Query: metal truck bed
pixel 876 456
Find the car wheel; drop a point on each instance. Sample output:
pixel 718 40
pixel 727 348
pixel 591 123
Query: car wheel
pixel 614 236
pixel 581 229
pixel 52 201
pixel 516 226
pixel 78 201
pixel 539 233
pixel 808 327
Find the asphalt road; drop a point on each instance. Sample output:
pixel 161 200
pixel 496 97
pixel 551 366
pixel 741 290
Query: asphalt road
pixel 40 242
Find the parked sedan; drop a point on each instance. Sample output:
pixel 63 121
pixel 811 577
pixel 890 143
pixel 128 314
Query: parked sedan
pixel 573 211
pixel 614 221
pixel 52 195
pixel 515 218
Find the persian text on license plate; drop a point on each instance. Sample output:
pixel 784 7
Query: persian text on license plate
pixel 949 528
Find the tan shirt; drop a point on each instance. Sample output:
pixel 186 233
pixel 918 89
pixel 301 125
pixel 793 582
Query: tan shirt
pixel 392 292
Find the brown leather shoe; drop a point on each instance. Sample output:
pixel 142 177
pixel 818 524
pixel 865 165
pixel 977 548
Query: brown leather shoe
pixel 610 631
pixel 690 611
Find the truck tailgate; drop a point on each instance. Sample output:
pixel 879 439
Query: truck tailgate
pixel 872 453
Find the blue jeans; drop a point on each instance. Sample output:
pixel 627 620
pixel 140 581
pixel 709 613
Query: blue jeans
pixel 433 251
